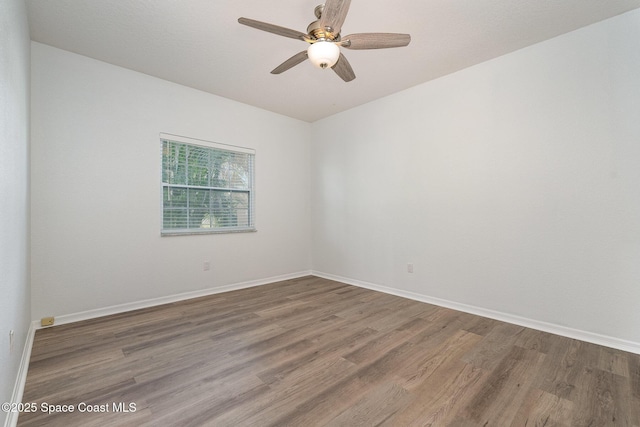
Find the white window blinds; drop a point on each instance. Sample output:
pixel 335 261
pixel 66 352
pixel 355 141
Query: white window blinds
pixel 206 187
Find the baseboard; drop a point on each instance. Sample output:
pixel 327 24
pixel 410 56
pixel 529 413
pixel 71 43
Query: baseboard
pixel 607 341
pixel 18 389
pixel 121 308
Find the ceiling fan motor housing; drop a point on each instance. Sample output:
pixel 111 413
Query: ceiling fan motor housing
pixel 317 32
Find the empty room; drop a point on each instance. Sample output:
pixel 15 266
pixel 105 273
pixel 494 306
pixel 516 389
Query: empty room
pixel 413 213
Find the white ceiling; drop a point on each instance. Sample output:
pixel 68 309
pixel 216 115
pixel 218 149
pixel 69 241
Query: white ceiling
pixel 200 44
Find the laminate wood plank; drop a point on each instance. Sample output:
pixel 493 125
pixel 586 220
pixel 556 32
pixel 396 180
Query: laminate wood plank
pixel 614 361
pixel 366 313
pixel 377 301
pixel 242 330
pixel 561 369
pixel 595 400
pixel 544 409
pixel 443 314
pixel 311 351
pixel 378 405
pixel 287 391
pixel 531 339
pixel 322 405
pixel 505 388
pixel 385 342
pixel 399 316
pixel 75 382
pixel 414 375
pixel 85 359
pixel 330 289
pixel 165 340
pixel 495 345
pixel 331 332
pixel 322 308
pixel 193 403
pixel 319 408
pixel 479 325
pixel 149 364
pixel 625 404
pixel 437 332
pixel 285 368
pixel 440 398
pixel 356 293
pixel 634 375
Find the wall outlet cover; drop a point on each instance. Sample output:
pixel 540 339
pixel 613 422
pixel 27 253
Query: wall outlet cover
pixel 47 321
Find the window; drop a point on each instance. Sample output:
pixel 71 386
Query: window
pixel 206 187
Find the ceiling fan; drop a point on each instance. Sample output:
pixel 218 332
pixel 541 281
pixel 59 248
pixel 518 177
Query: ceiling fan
pixel 323 36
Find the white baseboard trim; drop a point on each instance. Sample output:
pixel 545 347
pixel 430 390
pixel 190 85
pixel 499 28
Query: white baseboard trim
pixel 604 340
pixel 121 308
pixel 18 389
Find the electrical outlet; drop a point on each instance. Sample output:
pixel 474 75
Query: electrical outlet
pixel 206 266
pixel 11 341
pixel 409 268
pixel 47 321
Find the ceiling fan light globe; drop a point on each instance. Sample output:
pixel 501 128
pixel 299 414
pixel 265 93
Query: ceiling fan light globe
pixel 323 54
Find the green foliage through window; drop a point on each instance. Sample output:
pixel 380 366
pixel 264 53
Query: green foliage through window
pixel 206 189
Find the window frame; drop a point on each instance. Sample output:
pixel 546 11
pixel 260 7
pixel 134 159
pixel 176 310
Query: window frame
pixel 209 145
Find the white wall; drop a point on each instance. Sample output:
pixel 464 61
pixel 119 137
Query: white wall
pixel 14 190
pixel 96 194
pixel 511 186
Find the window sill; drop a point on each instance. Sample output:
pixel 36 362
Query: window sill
pixel 170 233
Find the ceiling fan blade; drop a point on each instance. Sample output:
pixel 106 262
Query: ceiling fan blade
pixel 375 40
pixel 290 63
pixel 275 29
pixel 343 69
pixel 334 14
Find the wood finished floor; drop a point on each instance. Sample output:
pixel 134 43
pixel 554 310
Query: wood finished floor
pixel 310 352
